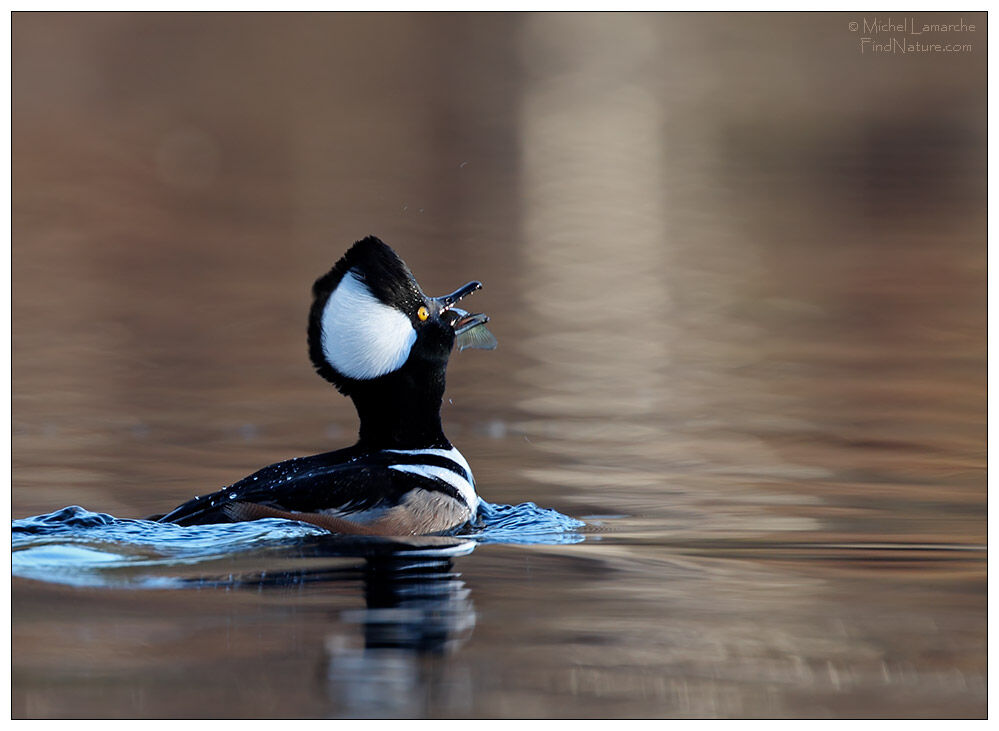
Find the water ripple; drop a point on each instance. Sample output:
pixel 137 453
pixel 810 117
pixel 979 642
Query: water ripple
pixel 76 546
pixel 523 523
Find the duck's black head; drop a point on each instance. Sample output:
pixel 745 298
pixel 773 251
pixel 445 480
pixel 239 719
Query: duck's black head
pixel 379 339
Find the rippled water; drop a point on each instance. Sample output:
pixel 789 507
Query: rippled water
pixel 81 548
pixel 732 441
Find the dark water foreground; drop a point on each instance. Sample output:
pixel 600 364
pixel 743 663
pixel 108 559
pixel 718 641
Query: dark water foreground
pixel 529 613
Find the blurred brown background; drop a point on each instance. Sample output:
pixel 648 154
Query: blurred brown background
pixel 737 268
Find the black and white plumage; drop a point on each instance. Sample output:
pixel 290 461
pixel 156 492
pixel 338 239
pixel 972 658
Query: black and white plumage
pixel 380 340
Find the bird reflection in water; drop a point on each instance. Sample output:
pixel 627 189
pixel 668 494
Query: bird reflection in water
pixel 417 611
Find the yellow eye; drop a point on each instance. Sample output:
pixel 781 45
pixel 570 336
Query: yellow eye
pixel 423 313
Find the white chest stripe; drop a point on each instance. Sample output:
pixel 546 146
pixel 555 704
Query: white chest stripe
pixel 433 472
pixel 452 454
pixel 362 337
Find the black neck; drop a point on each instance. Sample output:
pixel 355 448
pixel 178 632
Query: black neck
pixel 402 410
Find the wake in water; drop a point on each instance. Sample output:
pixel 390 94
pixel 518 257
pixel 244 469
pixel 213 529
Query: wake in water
pixel 79 547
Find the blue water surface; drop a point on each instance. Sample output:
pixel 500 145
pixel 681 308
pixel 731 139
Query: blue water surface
pixel 84 548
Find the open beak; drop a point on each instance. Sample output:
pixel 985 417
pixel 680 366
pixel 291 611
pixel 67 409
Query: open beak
pixel 450 300
pixel 469 328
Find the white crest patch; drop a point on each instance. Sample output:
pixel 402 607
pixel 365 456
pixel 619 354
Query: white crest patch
pixel 362 337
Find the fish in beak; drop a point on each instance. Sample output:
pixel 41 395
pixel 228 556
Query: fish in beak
pixel 469 328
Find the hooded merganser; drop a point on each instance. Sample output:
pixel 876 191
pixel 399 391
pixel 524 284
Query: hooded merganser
pixel 380 340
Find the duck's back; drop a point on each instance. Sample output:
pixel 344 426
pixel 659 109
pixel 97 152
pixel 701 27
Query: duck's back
pixel 349 491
